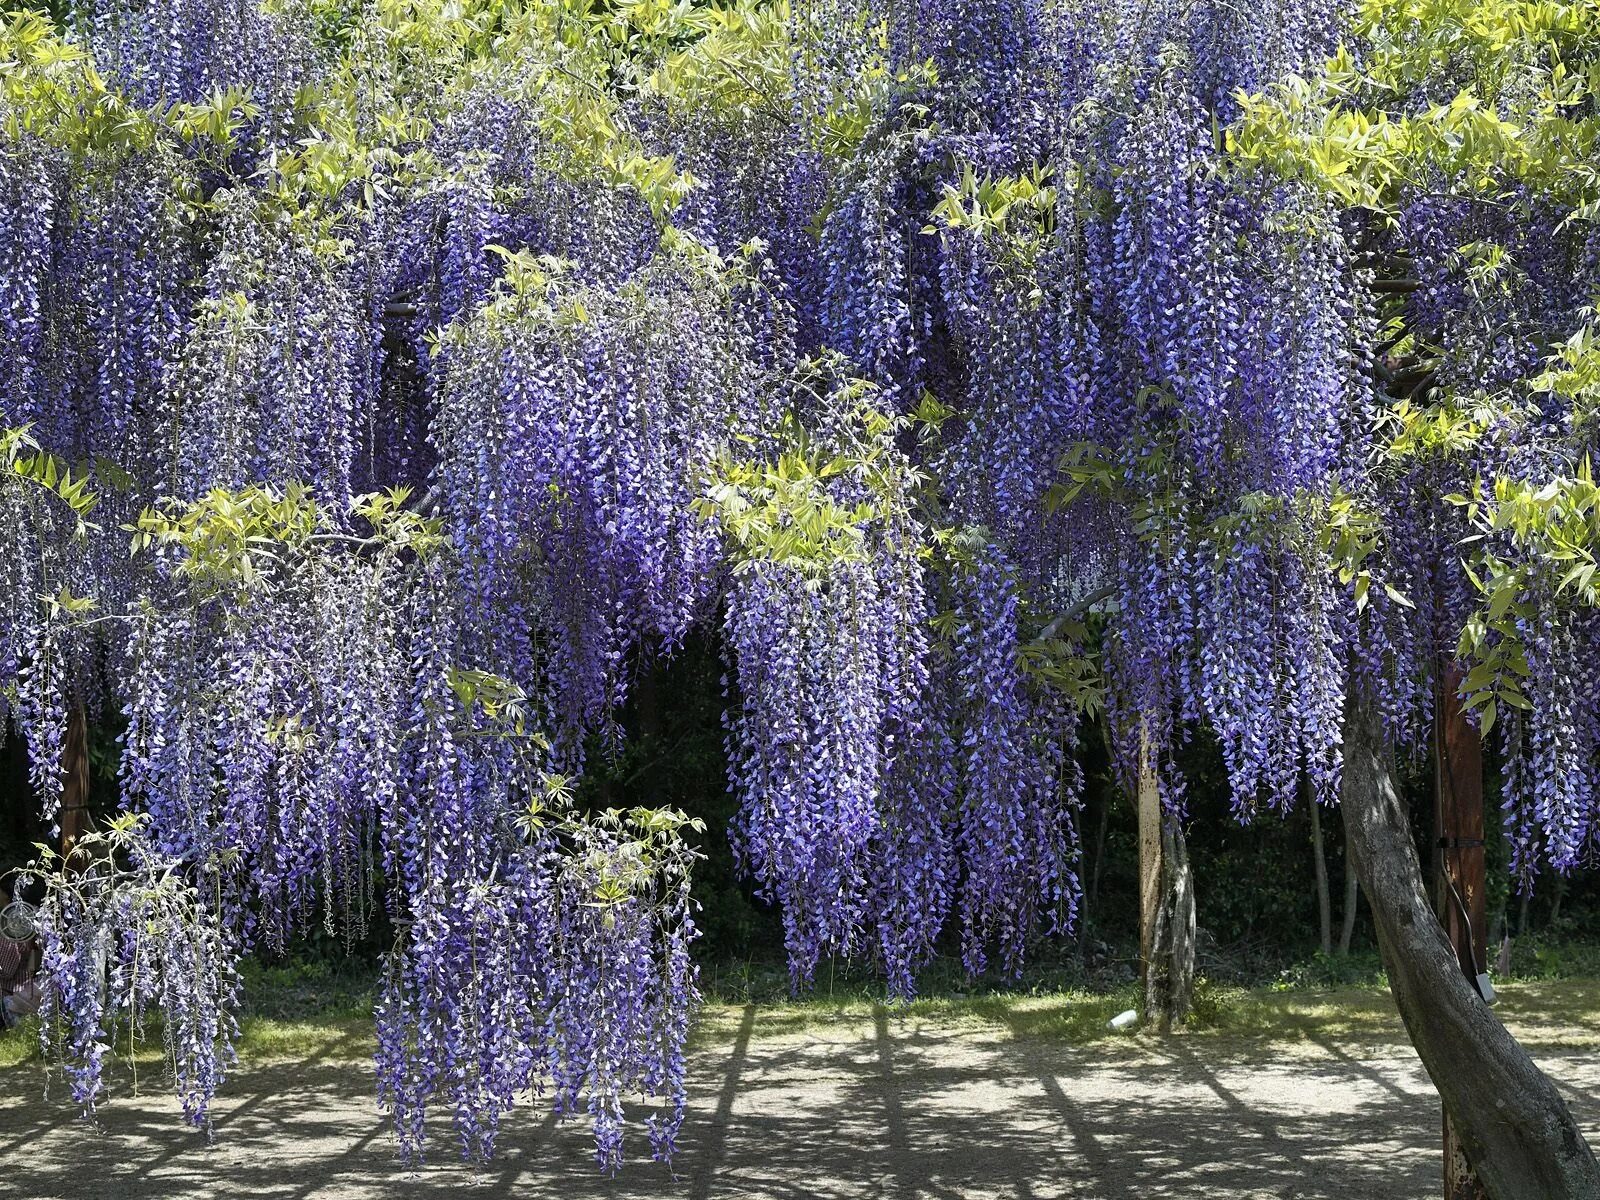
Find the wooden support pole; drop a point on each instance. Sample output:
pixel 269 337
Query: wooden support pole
pixel 1459 890
pixel 1149 803
pixel 75 787
pixel 1166 903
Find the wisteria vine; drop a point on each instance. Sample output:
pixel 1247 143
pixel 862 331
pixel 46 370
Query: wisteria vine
pixel 968 374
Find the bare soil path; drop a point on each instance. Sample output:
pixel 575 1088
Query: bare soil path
pixel 871 1104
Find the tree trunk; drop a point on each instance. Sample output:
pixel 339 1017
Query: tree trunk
pixel 1512 1123
pixel 1088 897
pixel 1319 864
pixel 1100 845
pixel 1352 898
pixel 1169 979
pixel 1166 905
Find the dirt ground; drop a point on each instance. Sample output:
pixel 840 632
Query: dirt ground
pixel 875 1105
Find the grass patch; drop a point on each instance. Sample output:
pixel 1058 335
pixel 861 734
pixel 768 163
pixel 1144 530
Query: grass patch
pixel 20 1045
pixel 313 989
pixel 1545 1014
pixel 323 1011
pixel 268 1039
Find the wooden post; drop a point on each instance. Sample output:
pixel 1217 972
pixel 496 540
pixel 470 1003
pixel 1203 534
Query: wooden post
pixel 1149 804
pixel 1459 896
pixel 75 787
pixel 1166 903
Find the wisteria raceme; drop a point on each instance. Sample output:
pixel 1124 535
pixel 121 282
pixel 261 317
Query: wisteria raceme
pixel 300 765
pixel 805 745
pixel 1024 400
pixel 105 286
pixel 1556 749
pixel 862 770
pixel 1017 780
pixel 1526 626
pixel 43 522
pixel 577 973
pixel 868 298
pixel 188 50
pixel 984 60
pixel 574 427
pixel 1402 643
pixel 915 864
pixel 839 741
pixel 264 389
pixel 574 931
pixel 1284 658
pixel 29 176
pixel 1182 300
pixel 1493 280
pixel 126 931
pixel 1234 49
pixel 1220 382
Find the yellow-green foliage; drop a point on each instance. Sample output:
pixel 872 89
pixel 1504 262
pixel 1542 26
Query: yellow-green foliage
pixel 1478 95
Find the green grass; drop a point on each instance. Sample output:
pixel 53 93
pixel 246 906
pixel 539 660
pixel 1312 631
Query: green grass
pixel 19 1045
pixel 324 1011
pixel 262 1039
pixel 1230 1020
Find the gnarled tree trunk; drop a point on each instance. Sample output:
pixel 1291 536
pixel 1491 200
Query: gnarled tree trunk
pixel 1512 1123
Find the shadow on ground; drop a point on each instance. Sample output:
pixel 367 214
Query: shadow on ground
pixel 879 1105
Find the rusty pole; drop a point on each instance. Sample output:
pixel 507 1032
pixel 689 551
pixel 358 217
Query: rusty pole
pixel 1459 888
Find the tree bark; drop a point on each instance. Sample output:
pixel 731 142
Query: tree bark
pixel 1166 905
pixel 1169 979
pixel 1148 801
pixel 1352 898
pixel 1319 863
pixel 1512 1123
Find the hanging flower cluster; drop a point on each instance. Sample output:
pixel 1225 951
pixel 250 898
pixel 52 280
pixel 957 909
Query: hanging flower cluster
pixel 565 966
pixel 44 511
pixel 295 720
pixel 1527 637
pixel 1179 337
pixel 574 428
pixel 1016 776
pixel 128 932
pixel 812 672
pixel 186 50
pixel 264 389
pixel 1484 265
